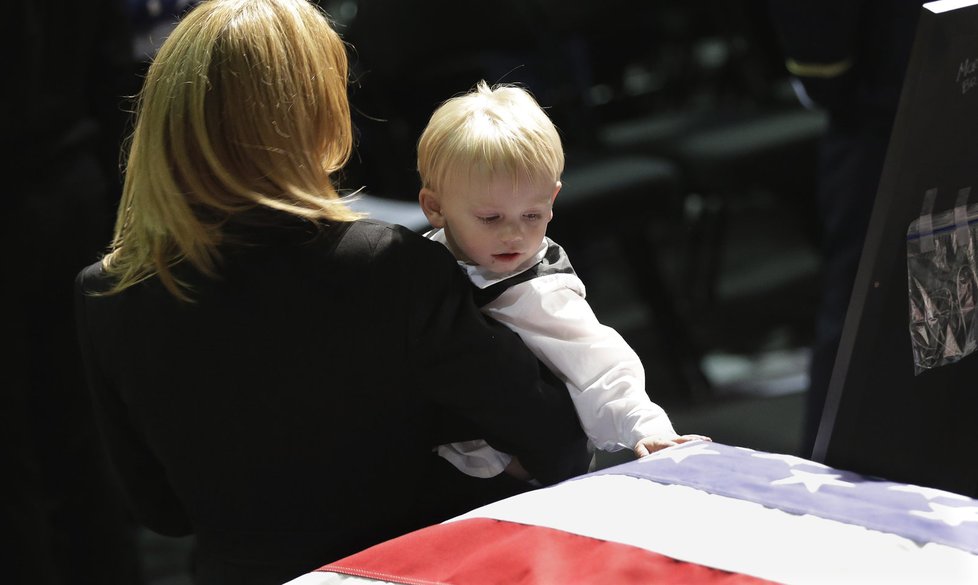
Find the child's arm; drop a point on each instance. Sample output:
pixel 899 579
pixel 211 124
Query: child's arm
pixel 604 374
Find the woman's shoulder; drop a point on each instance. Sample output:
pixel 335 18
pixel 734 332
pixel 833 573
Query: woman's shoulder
pixel 376 232
pixel 380 239
pixel 93 279
pixel 400 254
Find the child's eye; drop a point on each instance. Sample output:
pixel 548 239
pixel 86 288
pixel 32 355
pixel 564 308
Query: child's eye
pixel 532 216
pixel 488 218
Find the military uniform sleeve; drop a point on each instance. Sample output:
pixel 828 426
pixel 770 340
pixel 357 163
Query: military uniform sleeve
pixel 819 40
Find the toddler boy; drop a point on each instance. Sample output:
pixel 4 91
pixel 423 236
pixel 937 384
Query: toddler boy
pixel 490 163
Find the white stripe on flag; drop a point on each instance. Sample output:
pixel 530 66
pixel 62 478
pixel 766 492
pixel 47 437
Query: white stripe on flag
pixel 732 534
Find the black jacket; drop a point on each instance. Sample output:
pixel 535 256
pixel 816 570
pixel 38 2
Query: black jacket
pixel 287 415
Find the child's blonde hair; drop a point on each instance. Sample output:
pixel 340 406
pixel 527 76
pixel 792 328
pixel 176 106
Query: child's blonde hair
pixel 245 106
pixel 488 133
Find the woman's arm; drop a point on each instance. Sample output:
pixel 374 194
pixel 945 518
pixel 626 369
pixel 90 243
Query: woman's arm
pixel 142 476
pixel 481 372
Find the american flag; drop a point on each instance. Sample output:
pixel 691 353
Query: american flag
pixel 800 486
pixel 699 512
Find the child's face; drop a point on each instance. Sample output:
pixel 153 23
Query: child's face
pixel 499 226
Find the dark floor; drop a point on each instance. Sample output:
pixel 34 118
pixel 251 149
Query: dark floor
pixel 754 336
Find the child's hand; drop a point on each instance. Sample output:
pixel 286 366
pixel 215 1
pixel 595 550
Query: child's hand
pixel 650 445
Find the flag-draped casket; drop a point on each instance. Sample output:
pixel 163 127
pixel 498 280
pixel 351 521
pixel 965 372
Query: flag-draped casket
pixel 695 513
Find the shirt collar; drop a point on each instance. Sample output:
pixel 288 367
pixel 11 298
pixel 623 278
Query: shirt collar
pixel 482 277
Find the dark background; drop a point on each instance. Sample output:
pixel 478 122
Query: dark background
pixel 734 237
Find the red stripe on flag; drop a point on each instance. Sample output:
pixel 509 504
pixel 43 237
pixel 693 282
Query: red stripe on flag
pixel 482 551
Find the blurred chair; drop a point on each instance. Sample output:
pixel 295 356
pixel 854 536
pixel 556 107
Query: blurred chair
pixel 722 155
pixel 621 198
pixel 701 84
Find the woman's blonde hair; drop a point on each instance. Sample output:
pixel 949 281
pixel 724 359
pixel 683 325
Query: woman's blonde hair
pixel 488 133
pixel 245 106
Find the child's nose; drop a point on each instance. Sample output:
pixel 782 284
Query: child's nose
pixel 512 233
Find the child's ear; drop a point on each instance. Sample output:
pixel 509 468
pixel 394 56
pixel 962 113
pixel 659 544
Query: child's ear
pixel 431 206
pixel 554 198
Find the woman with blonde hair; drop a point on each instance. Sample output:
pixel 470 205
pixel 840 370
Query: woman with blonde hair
pixel 270 371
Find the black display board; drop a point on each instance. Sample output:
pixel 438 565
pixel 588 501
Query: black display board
pixel 880 417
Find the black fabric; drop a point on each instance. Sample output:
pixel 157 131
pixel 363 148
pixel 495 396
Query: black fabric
pixel 288 414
